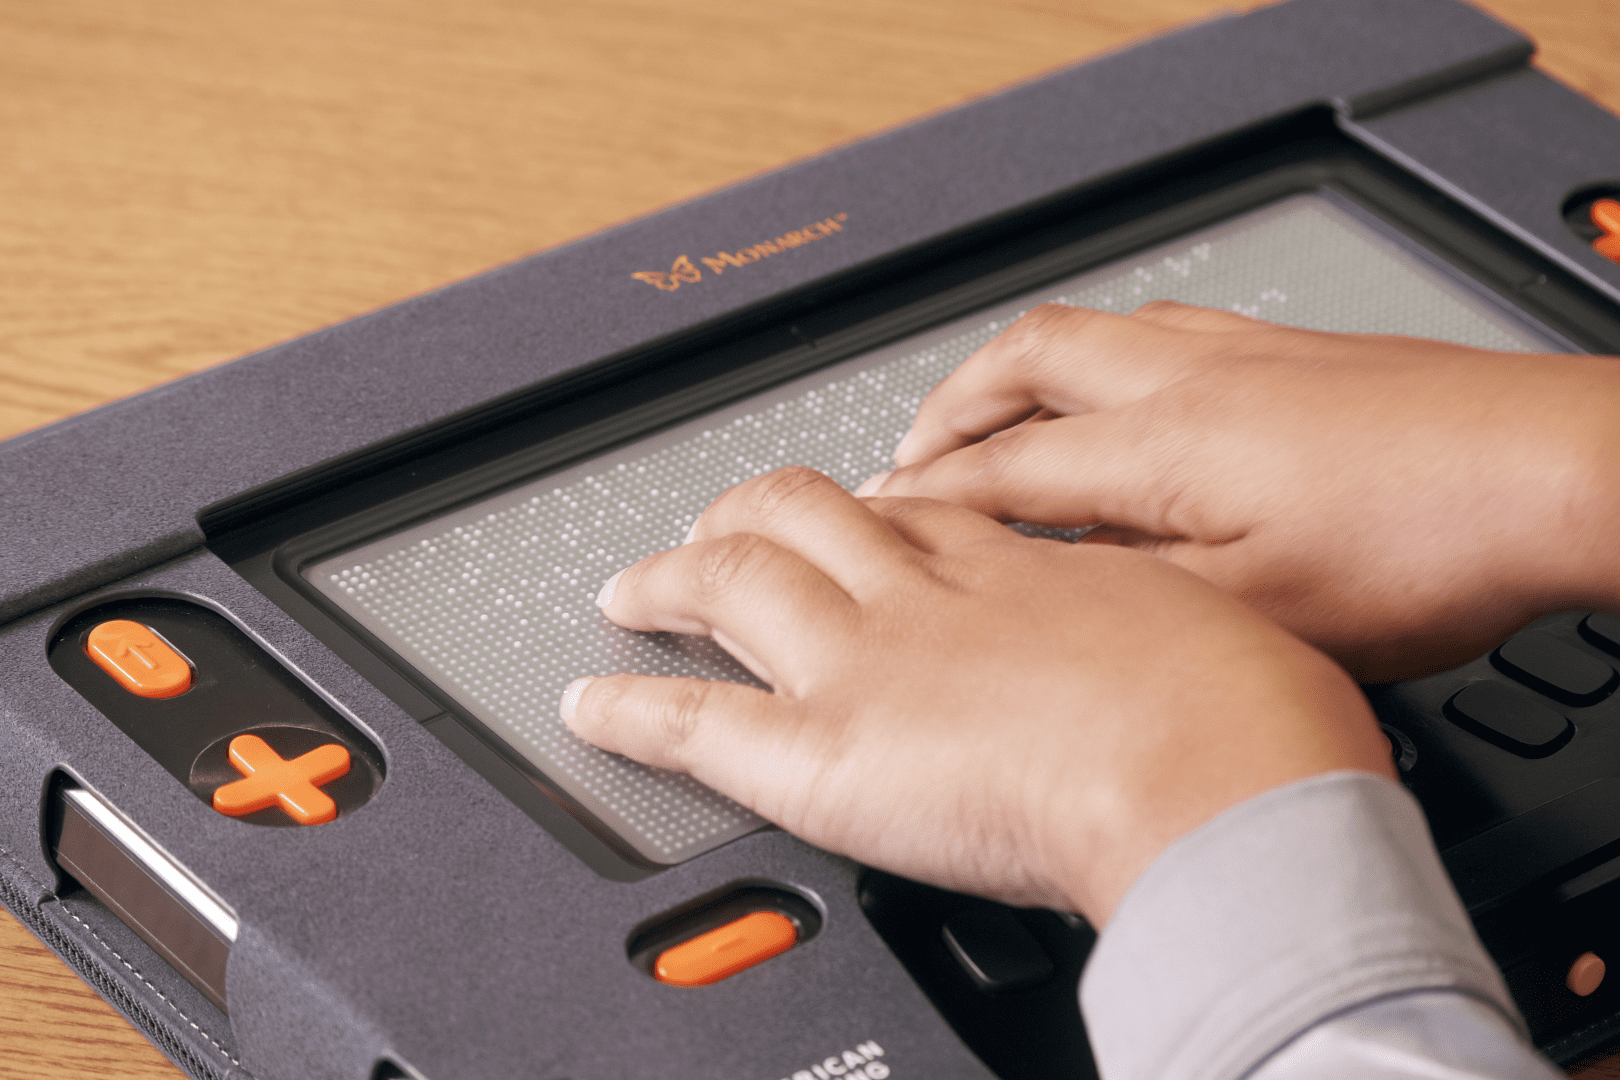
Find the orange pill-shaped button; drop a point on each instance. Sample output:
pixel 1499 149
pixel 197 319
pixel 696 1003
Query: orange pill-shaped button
pixel 138 659
pixel 726 950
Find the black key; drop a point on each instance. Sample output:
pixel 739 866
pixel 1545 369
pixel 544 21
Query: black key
pixel 1555 668
pixel 1509 718
pixel 1603 630
pixel 995 949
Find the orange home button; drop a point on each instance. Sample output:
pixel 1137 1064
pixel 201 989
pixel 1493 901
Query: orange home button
pixel 140 661
pixel 726 950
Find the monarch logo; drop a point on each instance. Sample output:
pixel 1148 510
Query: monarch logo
pixel 683 270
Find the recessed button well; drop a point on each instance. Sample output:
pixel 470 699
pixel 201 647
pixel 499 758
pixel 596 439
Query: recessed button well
pixel 1509 718
pixel 726 950
pixel 186 684
pixel 139 660
pixel 1561 671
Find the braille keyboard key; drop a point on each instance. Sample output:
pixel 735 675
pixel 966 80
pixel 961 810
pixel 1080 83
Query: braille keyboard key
pixel 996 950
pixel 1509 718
pixel 1561 671
pixel 1603 630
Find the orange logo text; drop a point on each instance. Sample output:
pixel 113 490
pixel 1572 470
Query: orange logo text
pixel 684 270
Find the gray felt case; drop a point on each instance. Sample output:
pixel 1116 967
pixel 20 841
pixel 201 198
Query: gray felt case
pixel 438 928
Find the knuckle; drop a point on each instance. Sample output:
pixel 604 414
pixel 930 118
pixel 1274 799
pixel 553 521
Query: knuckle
pixel 728 562
pixel 772 493
pixel 996 458
pixel 1038 324
pixel 1043 318
pixel 1037 340
pixel 680 711
pixel 605 697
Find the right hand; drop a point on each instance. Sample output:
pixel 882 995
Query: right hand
pixel 1403 504
pixel 1024 719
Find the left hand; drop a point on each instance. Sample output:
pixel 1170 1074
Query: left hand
pixel 1402 504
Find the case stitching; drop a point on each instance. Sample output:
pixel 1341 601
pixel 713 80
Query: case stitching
pixel 131 968
pixel 128 966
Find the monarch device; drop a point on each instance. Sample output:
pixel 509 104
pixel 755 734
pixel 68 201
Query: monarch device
pixel 280 768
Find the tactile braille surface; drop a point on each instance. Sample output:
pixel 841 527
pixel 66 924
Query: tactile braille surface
pixel 495 601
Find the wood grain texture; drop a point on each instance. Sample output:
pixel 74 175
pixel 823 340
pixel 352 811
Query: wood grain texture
pixel 186 181
pixel 54 1026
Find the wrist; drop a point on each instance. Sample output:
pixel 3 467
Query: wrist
pixel 1299 716
pixel 1573 563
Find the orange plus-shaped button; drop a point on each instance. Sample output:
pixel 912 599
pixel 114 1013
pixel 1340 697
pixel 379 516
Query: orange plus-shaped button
pixel 269 780
pixel 1606 216
pixel 138 659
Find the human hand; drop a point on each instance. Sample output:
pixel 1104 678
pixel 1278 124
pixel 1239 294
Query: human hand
pixel 951 701
pixel 1402 504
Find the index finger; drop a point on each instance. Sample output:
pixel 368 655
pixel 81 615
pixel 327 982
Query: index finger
pixel 807 513
pixel 1066 359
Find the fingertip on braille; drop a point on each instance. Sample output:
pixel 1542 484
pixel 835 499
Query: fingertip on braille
pixel 605 596
pixel 569 705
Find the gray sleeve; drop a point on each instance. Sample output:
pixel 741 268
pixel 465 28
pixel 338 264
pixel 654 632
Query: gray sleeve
pixel 1311 925
pixel 1429 1035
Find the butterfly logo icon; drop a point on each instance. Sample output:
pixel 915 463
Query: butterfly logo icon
pixel 682 270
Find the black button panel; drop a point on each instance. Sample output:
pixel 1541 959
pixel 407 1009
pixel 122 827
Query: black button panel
pixel 1510 718
pixel 1518 772
pixel 1555 668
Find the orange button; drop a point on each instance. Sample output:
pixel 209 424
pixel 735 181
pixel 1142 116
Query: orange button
pixel 142 662
pixel 1586 974
pixel 1606 216
pixel 269 780
pixel 724 951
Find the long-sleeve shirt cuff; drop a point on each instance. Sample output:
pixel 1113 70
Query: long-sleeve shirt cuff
pixel 1297 905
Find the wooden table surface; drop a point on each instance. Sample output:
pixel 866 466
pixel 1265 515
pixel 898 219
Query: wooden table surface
pixel 186 181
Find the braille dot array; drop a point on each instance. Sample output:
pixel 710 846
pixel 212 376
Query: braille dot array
pixel 1308 262
pixel 495 602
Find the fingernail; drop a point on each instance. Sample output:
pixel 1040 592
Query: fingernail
pixel 871 486
pixel 570 698
pixel 901 449
pixel 690 534
pixel 605 597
